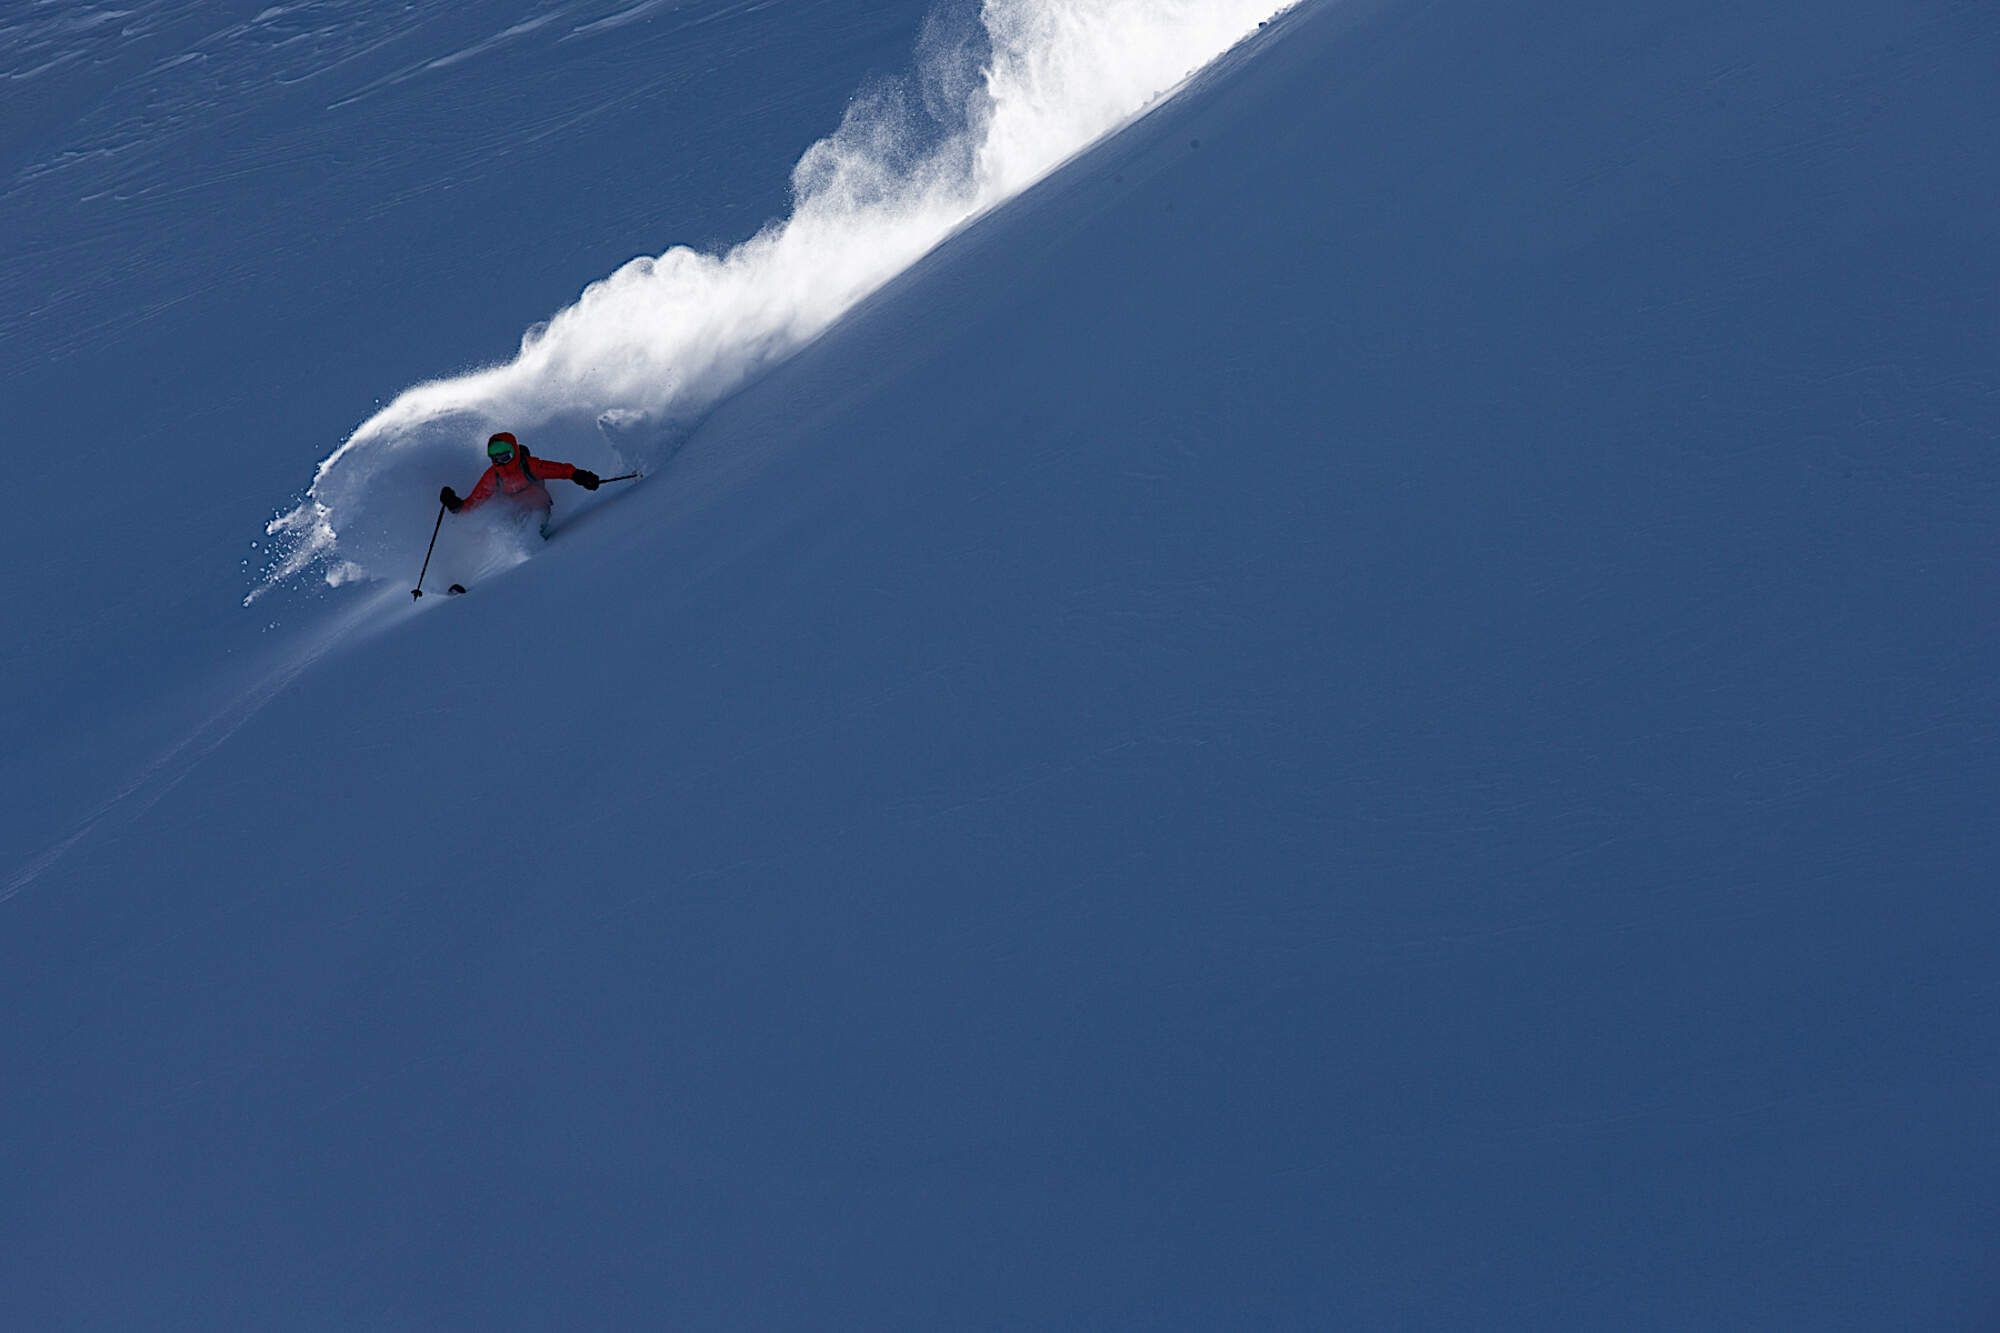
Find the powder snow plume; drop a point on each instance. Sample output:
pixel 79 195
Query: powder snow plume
pixel 993 105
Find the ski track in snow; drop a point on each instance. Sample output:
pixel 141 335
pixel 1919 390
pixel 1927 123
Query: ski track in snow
pixel 644 9
pixel 348 628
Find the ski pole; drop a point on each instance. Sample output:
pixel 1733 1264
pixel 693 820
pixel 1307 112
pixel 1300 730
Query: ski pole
pixel 623 476
pixel 418 591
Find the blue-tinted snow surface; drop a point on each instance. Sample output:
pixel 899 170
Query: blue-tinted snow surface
pixel 1372 708
pixel 231 229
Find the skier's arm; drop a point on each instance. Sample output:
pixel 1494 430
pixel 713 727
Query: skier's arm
pixel 548 471
pixel 482 492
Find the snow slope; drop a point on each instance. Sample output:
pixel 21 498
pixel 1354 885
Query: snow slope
pixel 232 229
pixel 1373 706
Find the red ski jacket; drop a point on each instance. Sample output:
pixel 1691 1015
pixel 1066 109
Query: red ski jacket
pixel 521 484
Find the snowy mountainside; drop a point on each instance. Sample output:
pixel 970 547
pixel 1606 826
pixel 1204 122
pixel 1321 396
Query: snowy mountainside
pixel 1371 706
pixel 234 228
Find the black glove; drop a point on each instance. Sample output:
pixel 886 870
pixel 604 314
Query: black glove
pixel 584 478
pixel 449 499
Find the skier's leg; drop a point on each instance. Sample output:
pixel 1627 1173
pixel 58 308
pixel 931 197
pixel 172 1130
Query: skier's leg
pixel 540 498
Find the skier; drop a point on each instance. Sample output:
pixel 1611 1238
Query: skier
pixel 519 476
